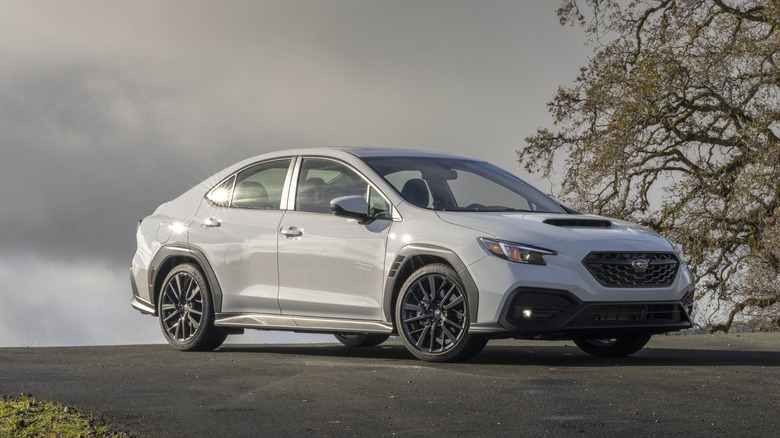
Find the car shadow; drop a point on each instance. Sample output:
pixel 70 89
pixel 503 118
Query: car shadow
pixel 564 355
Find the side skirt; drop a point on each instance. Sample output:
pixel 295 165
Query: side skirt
pixel 300 323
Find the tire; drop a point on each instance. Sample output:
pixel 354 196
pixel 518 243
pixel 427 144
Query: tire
pixel 432 316
pixel 186 312
pixel 614 347
pixel 361 339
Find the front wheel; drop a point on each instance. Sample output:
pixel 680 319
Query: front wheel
pixel 432 316
pixel 186 313
pixel 613 347
pixel 361 339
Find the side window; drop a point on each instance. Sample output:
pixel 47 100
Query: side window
pixel 321 181
pixel 221 194
pixel 260 187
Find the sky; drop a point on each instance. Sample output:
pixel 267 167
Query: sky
pixel 108 109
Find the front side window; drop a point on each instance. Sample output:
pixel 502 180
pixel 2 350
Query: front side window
pixel 457 184
pixel 320 181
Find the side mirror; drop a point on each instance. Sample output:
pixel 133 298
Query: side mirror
pixel 354 207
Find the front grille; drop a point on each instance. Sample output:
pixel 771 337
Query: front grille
pixel 606 314
pixel 625 269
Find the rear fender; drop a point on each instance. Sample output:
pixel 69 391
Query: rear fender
pixel 171 255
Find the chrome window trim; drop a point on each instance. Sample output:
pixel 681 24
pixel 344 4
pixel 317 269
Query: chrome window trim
pixel 287 179
pixel 293 185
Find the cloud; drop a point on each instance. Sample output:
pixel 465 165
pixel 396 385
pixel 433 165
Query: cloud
pixel 67 303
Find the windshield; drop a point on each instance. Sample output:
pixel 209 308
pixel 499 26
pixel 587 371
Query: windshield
pixel 456 184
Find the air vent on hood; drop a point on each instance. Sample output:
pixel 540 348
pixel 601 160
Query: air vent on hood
pixel 592 223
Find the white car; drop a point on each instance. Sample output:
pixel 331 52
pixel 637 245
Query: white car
pixel 444 251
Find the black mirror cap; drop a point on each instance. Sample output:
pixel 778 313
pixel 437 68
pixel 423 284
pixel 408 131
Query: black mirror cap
pixel 354 207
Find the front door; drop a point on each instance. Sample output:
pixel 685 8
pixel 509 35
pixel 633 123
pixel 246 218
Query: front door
pixel 330 266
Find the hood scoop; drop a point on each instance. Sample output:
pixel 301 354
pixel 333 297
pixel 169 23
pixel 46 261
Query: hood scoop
pixel 578 223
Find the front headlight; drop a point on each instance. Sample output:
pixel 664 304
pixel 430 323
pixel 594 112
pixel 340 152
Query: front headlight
pixel 516 252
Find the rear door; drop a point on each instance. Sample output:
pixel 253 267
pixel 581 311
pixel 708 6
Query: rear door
pixel 237 228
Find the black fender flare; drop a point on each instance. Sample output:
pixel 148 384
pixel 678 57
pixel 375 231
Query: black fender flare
pixel 178 250
pixel 407 254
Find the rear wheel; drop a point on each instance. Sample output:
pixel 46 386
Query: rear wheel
pixel 432 316
pixel 361 339
pixel 613 347
pixel 186 313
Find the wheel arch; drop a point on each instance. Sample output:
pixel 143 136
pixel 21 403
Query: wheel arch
pixel 411 258
pixel 170 256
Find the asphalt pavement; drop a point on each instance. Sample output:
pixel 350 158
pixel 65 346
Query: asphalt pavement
pixel 695 385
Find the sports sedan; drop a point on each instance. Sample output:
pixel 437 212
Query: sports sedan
pixel 444 251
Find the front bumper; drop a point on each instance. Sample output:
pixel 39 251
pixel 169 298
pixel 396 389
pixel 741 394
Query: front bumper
pixel 549 313
pixel 563 300
pixel 137 302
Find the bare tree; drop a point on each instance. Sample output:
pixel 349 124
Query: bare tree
pixel 674 123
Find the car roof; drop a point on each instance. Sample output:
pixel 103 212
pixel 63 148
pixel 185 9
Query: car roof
pixel 386 152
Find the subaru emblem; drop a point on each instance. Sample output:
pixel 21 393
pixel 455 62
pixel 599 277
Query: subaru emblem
pixel 640 264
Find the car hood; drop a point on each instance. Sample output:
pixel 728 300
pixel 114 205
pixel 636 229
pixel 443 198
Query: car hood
pixel 554 231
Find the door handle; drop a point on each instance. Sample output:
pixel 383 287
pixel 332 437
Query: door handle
pixel 292 231
pixel 211 222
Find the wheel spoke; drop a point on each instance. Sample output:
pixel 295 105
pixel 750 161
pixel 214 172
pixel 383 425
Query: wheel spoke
pixel 420 340
pixel 194 291
pixel 451 336
pixel 177 289
pixel 433 338
pixel 414 332
pixel 419 318
pixel 454 303
pixel 192 323
pixel 167 306
pixel 452 323
pixel 431 288
pixel 413 307
pixel 177 326
pixel 460 315
pixel 448 294
pixel 172 315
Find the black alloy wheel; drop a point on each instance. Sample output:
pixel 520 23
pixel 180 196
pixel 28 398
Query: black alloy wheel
pixel 432 316
pixel 186 313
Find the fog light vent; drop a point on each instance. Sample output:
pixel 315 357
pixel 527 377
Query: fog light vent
pixel 538 306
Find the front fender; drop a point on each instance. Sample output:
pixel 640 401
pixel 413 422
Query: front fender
pixel 404 265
